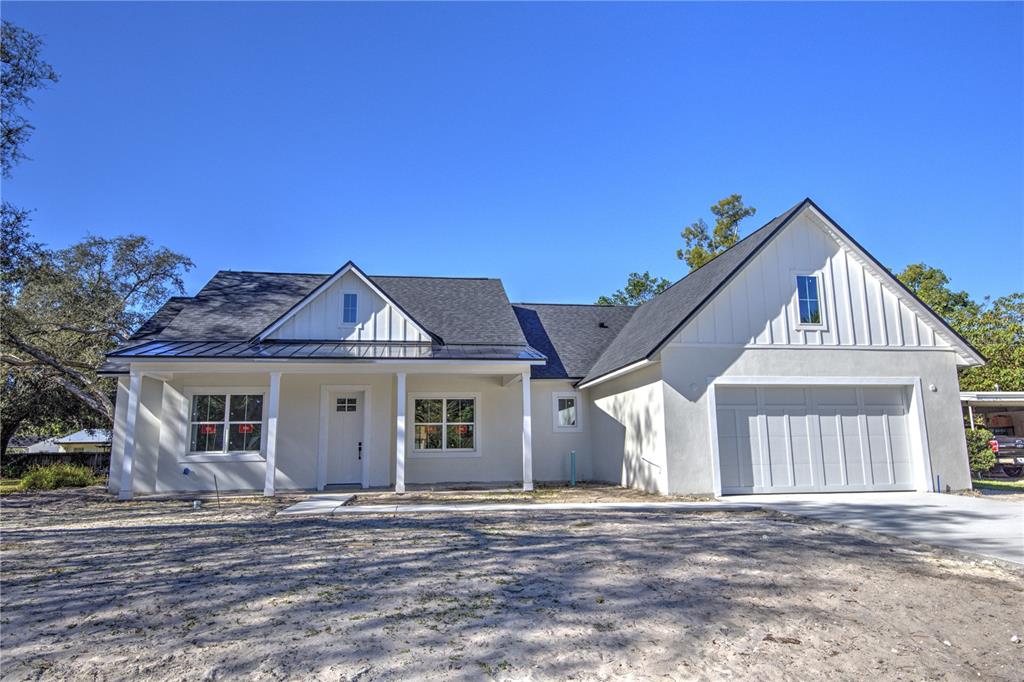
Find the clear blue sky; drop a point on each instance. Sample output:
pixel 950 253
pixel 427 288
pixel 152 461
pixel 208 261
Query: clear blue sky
pixel 558 147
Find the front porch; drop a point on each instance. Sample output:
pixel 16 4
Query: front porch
pixel 334 426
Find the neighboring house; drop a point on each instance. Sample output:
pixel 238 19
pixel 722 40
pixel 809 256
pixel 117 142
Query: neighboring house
pixel 19 444
pixel 85 440
pixel 794 361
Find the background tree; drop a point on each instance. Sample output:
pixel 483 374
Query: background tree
pixel 701 244
pixel 639 289
pixel 995 328
pixel 64 310
pixel 23 71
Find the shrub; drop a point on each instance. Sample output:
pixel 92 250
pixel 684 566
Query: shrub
pixel 57 476
pixel 979 452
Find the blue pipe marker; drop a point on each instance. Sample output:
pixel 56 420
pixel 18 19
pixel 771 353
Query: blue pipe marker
pixel 572 468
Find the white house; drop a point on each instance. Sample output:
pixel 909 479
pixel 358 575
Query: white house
pixel 794 361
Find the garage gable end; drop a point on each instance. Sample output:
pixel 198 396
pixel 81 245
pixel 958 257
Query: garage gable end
pixel 813 286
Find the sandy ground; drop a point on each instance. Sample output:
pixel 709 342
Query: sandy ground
pixel 95 589
pixel 544 494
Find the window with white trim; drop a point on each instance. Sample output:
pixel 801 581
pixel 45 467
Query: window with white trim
pixel 810 312
pixel 226 423
pixel 566 408
pixel 349 308
pixel 444 424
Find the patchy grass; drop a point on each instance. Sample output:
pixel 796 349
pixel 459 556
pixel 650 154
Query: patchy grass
pixel 1013 484
pixel 9 485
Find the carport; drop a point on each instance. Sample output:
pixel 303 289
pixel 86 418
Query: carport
pixel 1001 412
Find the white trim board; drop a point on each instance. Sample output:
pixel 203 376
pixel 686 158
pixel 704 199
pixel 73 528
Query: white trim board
pixel 322 444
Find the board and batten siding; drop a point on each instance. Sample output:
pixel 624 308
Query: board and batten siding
pixel 759 308
pixel 376 318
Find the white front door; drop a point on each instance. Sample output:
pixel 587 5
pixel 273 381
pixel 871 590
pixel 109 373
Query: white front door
pixel 345 438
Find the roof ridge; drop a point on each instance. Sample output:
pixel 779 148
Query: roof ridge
pixel 474 279
pixel 581 305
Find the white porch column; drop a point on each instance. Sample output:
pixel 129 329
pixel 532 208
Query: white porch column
pixel 273 405
pixel 527 435
pixel 970 411
pixel 400 432
pixel 127 481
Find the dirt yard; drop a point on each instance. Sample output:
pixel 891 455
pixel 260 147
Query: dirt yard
pixel 100 590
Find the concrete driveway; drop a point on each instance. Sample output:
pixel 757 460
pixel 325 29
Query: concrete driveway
pixel 987 527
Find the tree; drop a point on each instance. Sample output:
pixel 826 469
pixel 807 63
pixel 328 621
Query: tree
pixel 980 457
pixel 702 245
pixel 639 289
pixel 995 328
pixel 74 305
pixel 23 70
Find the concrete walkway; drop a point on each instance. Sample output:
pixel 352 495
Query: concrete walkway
pixel 319 506
pixel 986 527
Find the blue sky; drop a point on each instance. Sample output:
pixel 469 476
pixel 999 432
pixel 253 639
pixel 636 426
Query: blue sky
pixel 557 146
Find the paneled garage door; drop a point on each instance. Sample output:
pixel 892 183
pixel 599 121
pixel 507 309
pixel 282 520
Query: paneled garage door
pixel 813 439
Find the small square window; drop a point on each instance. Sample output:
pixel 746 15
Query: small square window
pixel 808 300
pixel 566 417
pixel 346 404
pixel 349 308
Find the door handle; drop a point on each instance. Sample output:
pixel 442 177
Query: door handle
pixel 360 449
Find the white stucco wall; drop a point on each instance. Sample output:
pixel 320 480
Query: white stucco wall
pixel 628 430
pixel 551 448
pixel 687 371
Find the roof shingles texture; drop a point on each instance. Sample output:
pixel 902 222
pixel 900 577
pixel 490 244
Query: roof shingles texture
pixel 236 306
pixel 571 336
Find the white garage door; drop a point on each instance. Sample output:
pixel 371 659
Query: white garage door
pixel 813 439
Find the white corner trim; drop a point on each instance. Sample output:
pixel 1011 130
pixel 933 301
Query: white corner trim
pixel 617 373
pixel 556 427
pixel 322 445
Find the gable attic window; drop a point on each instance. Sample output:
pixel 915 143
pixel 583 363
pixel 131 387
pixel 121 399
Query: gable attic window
pixel 349 308
pixel 808 298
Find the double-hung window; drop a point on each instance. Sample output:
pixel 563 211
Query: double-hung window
pixel 444 424
pixel 808 297
pixel 226 423
pixel 349 308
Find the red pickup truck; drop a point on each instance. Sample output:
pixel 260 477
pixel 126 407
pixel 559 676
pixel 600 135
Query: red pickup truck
pixel 1009 452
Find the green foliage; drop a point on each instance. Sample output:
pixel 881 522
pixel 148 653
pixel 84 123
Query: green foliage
pixel 995 328
pixel 979 453
pixel 56 476
pixel 23 70
pixel 639 289
pixel 702 245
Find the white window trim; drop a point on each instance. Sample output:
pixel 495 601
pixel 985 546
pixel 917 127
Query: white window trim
pixel 230 455
pixel 554 412
pixel 822 308
pixel 410 428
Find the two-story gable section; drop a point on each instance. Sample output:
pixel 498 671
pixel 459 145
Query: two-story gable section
pixel 811 286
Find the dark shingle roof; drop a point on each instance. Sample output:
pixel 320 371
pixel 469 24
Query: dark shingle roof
pixel 161 318
pixel 571 336
pixel 459 310
pixel 236 306
pixel 657 320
